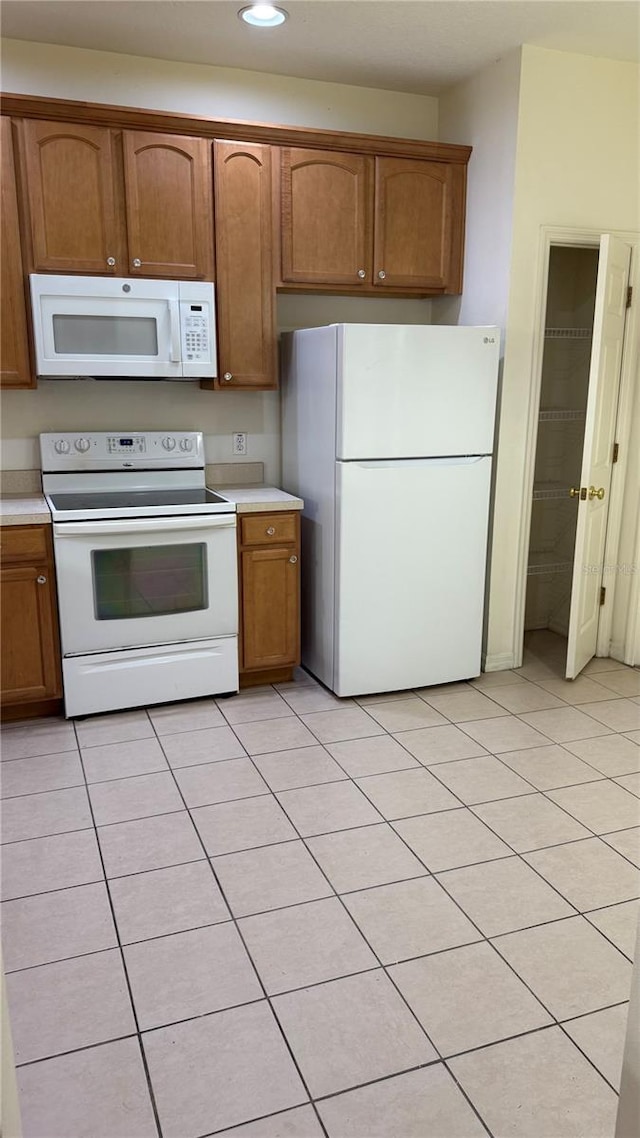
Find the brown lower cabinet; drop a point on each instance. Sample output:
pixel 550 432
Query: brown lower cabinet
pixel 30 666
pixel 269 578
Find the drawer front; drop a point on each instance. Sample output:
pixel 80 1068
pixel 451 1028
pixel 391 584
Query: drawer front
pixel 23 543
pixel 268 529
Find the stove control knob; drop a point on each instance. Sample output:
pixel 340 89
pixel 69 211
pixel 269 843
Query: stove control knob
pixel 169 443
pixel 186 444
pixel 61 446
pixel 82 445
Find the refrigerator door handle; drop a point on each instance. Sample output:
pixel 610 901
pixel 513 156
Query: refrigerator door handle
pixel 454 460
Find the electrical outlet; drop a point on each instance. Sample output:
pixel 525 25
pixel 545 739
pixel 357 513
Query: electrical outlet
pixel 239 442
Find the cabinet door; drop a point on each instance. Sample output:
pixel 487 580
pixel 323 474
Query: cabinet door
pixel 14 352
pixel 244 265
pixel 270 607
pixel 418 223
pixel 326 217
pixel 69 177
pixel 30 652
pixel 169 205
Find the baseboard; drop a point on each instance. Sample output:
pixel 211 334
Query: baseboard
pixel 616 651
pixel 559 630
pixel 498 662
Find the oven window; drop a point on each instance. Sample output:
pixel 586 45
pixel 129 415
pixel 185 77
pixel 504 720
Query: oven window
pixel 77 335
pixel 151 581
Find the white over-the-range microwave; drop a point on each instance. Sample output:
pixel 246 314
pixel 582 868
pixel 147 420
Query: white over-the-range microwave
pixel 118 328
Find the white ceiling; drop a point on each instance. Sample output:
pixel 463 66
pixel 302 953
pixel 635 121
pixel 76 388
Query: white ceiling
pixel 419 46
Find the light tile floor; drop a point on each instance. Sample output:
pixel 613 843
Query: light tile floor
pixel 284 914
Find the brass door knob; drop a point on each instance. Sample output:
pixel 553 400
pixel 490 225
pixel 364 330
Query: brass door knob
pixel 574 492
pixel 593 493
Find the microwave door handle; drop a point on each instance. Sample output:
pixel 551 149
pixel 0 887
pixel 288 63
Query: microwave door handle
pixel 174 320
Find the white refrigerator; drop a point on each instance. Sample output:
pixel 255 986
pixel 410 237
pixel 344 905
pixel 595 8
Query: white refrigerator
pixel 388 436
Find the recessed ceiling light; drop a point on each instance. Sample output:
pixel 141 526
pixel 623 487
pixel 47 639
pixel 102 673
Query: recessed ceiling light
pixel 263 15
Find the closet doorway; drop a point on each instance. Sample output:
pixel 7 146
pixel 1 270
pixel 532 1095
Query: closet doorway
pixel 586 302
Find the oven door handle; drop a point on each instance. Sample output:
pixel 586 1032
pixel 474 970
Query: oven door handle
pixel 143 526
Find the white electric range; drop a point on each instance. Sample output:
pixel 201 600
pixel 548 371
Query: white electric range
pixel 146 569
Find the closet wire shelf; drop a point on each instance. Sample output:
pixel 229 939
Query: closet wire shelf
pixel 567 333
pixel 560 415
pixel 540 563
pixel 546 491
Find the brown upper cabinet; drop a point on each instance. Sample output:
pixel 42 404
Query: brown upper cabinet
pixel 68 180
pixel 131 203
pixel 244 265
pixel 168 205
pixel 419 211
pixel 15 369
pixel 327 213
pixel 370 224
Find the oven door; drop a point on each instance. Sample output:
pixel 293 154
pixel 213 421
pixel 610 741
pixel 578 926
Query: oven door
pixel 145 581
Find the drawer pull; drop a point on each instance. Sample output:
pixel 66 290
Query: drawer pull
pixel 41 580
pixel 271 530
pixel 293 559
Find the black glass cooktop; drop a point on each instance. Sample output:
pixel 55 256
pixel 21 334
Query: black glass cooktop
pixel 130 499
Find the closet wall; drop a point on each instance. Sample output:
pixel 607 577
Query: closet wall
pixel 563 400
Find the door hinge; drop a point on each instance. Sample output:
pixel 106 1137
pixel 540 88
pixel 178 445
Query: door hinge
pixel 603 594
pixel 629 295
pixel 616 452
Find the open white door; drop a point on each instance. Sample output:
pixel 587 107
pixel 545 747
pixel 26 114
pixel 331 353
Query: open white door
pixel 597 455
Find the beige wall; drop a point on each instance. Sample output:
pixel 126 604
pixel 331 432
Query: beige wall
pixel 63 72
pixel 220 92
pixel 483 113
pixel 576 166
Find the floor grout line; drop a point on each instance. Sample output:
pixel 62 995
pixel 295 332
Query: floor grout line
pixel 126 976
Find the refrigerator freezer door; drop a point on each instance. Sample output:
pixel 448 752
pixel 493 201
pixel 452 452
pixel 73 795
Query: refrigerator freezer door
pixel 410 391
pixel 410 573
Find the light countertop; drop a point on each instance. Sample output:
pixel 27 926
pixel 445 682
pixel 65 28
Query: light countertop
pixel 23 510
pixel 259 499
pixel 32 509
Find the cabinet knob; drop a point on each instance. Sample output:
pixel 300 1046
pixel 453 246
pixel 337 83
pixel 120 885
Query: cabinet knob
pixel 271 530
pixel 227 377
pixel 41 580
pixel 362 273
pixel 293 559
pixel 111 262
pixel 136 262
pixel 381 274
